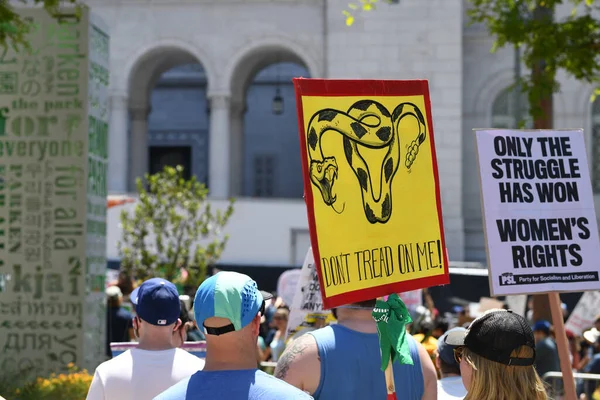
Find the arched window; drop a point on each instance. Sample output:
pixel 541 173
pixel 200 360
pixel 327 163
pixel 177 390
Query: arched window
pixel 595 153
pixel 504 110
pixel 272 165
pixel 178 123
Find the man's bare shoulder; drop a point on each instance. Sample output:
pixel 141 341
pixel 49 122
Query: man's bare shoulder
pixel 300 354
pixel 429 373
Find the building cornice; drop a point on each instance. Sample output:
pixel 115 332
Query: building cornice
pixel 196 2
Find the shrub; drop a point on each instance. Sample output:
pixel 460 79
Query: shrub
pixel 71 386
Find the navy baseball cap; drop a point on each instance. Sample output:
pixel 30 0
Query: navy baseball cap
pixel 133 296
pixel 157 302
pixel 543 326
pixel 446 350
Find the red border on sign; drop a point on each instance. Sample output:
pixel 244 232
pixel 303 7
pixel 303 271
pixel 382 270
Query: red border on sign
pixel 344 88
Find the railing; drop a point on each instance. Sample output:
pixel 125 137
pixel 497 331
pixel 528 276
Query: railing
pixel 584 383
pixel 196 348
pixel 268 367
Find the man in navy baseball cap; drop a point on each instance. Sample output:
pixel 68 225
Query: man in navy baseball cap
pixel 156 364
pixel 157 302
pixel 546 351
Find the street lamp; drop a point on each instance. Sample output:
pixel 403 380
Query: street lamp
pixel 277 102
pixel 277 105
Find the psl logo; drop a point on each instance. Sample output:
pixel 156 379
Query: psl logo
pixel 507 279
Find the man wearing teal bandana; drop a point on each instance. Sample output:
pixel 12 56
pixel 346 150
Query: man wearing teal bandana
pixel 343 361
pixel 229 307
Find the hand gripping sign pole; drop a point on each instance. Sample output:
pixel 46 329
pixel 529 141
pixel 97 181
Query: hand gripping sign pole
pixel 392 317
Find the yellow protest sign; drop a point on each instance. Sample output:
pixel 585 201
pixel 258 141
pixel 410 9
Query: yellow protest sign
pixel 371 187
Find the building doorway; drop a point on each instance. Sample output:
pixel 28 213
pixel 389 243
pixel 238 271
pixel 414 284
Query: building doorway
pixel 162 156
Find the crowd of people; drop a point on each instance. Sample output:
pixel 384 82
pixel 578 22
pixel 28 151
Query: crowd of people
pixel 455 356
pixel 584 350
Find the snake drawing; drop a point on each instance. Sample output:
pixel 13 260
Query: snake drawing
pixel 366 123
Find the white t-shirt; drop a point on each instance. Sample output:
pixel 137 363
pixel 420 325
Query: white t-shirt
pixel 142 374
pixel 451 388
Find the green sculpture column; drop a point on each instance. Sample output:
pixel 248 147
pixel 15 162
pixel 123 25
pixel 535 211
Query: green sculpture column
pixel 53 163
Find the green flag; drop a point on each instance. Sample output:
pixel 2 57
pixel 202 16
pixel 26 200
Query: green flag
pixel 392 317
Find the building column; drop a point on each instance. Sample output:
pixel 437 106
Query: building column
pixel 138 166
pixel 219 146
pixel 238 110
pixel 118 145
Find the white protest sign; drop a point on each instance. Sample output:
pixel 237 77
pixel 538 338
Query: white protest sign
pixel 584 314
pixel 538 210
pixel 412 299
pixel 286 285
pixel 474 310
pixel 306 310
pixel 486 303
pixel 518 304
pixel 112 276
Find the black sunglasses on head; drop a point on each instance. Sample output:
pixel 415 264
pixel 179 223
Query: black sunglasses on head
pixel 262 308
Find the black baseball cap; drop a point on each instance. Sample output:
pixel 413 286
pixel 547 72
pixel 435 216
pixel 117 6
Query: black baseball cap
pixel 495 335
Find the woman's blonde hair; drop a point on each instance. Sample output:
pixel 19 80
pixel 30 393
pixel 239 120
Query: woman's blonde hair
pixel 495 381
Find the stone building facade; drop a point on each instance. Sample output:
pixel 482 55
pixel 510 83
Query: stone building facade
pixel 232 41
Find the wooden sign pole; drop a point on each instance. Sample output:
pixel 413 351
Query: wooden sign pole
pixel 563 346
pixel 389 382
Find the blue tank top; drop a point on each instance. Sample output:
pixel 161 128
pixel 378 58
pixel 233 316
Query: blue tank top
pixel 351 367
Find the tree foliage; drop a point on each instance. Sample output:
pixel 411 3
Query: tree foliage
pixel 14 28
pixel 364 5
pixel 570 43
pixel 173 232
pixel 361 5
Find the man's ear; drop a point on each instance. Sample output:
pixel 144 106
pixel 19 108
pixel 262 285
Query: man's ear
pixel 256 324
pixel 177 324
pixel 135 324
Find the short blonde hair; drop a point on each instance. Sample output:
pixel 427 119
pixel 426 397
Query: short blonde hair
pixel 495 381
